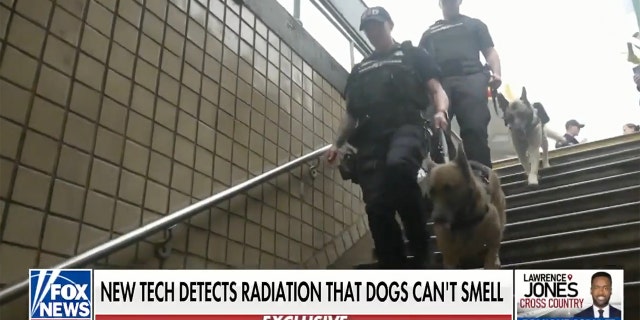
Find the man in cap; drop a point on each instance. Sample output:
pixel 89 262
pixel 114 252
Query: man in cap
pixel 455 43
pixel 387 96
pixel 573 130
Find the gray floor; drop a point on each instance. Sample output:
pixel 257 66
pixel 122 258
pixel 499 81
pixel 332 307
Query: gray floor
pixel 359 253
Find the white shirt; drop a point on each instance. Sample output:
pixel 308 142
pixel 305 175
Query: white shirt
pixel 605 314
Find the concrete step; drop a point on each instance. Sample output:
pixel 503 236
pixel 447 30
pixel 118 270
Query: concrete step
pixel 622 213
pixel 574 189
pixel 374 264
pixel 577 160
pixel 568 243
pixel 573 175
pixel 625 258
pixel 574 204
pixel 632 298
pixel 566 209
pixel 593 218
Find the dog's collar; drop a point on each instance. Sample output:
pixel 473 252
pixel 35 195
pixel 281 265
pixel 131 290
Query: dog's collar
pixel 535 120
pixel 471 216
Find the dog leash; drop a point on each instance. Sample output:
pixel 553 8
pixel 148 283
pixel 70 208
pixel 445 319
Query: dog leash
pixel 494 91
pixel 494 94
pixel 444 148
pixel 455 135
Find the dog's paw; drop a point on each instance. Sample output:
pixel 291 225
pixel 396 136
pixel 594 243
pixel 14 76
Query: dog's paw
pixel 533 180
pixel 546 164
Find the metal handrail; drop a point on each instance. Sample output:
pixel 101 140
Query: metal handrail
pixel 163 223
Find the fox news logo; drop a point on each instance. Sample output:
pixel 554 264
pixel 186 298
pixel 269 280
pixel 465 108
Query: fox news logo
pixel 60 294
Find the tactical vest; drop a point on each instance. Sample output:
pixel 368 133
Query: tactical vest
pixel 388 90
pixel 454 47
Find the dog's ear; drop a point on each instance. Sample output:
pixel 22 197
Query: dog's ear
pixel 503 103
pixel 463 163
pixel 523 95
pixel 428 164
pixel 431 164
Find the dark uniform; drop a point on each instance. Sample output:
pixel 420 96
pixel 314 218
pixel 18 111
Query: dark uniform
pixel 386 93
pixel 570 140
pixel 455 45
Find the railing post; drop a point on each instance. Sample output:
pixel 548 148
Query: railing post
pixel 636 10
pixel 296 11
pixel 352 47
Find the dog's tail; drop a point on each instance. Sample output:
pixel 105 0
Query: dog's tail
pixel 552 134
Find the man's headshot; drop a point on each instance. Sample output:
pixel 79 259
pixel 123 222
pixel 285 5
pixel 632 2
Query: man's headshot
pixel 601 294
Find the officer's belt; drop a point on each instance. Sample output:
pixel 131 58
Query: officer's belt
pixel 456 68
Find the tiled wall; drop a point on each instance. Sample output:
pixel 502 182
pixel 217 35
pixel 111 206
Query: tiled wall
pixel 114 113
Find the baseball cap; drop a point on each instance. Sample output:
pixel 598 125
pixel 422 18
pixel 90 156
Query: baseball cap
pixel 573 123
pixel 375 14
pixel 459 2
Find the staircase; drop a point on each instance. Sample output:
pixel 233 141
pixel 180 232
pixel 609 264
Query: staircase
pixel 585 214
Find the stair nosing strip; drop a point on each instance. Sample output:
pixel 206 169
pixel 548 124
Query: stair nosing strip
pixel 564 215
pixel 576 171
pixel 577 163
pixel 510 210
pixel 603 156
pixel 588 255
pixel 572 185
pixel 565 233
pixel 632 283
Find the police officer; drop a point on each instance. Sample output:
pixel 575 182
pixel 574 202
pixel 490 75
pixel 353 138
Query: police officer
pixel 386 94
pixel 573 130
pixel 454 42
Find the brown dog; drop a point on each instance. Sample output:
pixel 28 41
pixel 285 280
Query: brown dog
pixel 468 212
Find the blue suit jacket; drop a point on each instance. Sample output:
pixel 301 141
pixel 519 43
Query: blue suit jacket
pixel 588 313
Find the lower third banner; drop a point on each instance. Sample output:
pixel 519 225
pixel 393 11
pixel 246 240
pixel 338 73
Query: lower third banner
pixel 302 294
pixel 569 294
pixel 308 317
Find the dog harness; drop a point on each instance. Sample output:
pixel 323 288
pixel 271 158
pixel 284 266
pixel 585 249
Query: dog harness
pixel 535 120
pixel 472 217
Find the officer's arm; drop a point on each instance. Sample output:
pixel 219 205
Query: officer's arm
pixel 562 144
pixel 347 128
pixel 487 47
pixel 349 122
pixel 424 41
pixel 438 96
pixel 429 70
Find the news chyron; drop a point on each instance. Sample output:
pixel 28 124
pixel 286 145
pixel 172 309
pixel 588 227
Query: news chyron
pixel 60 294
pixel 569 294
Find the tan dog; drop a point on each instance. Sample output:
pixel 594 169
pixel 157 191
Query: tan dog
pixel 528 134
pixel 468 212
